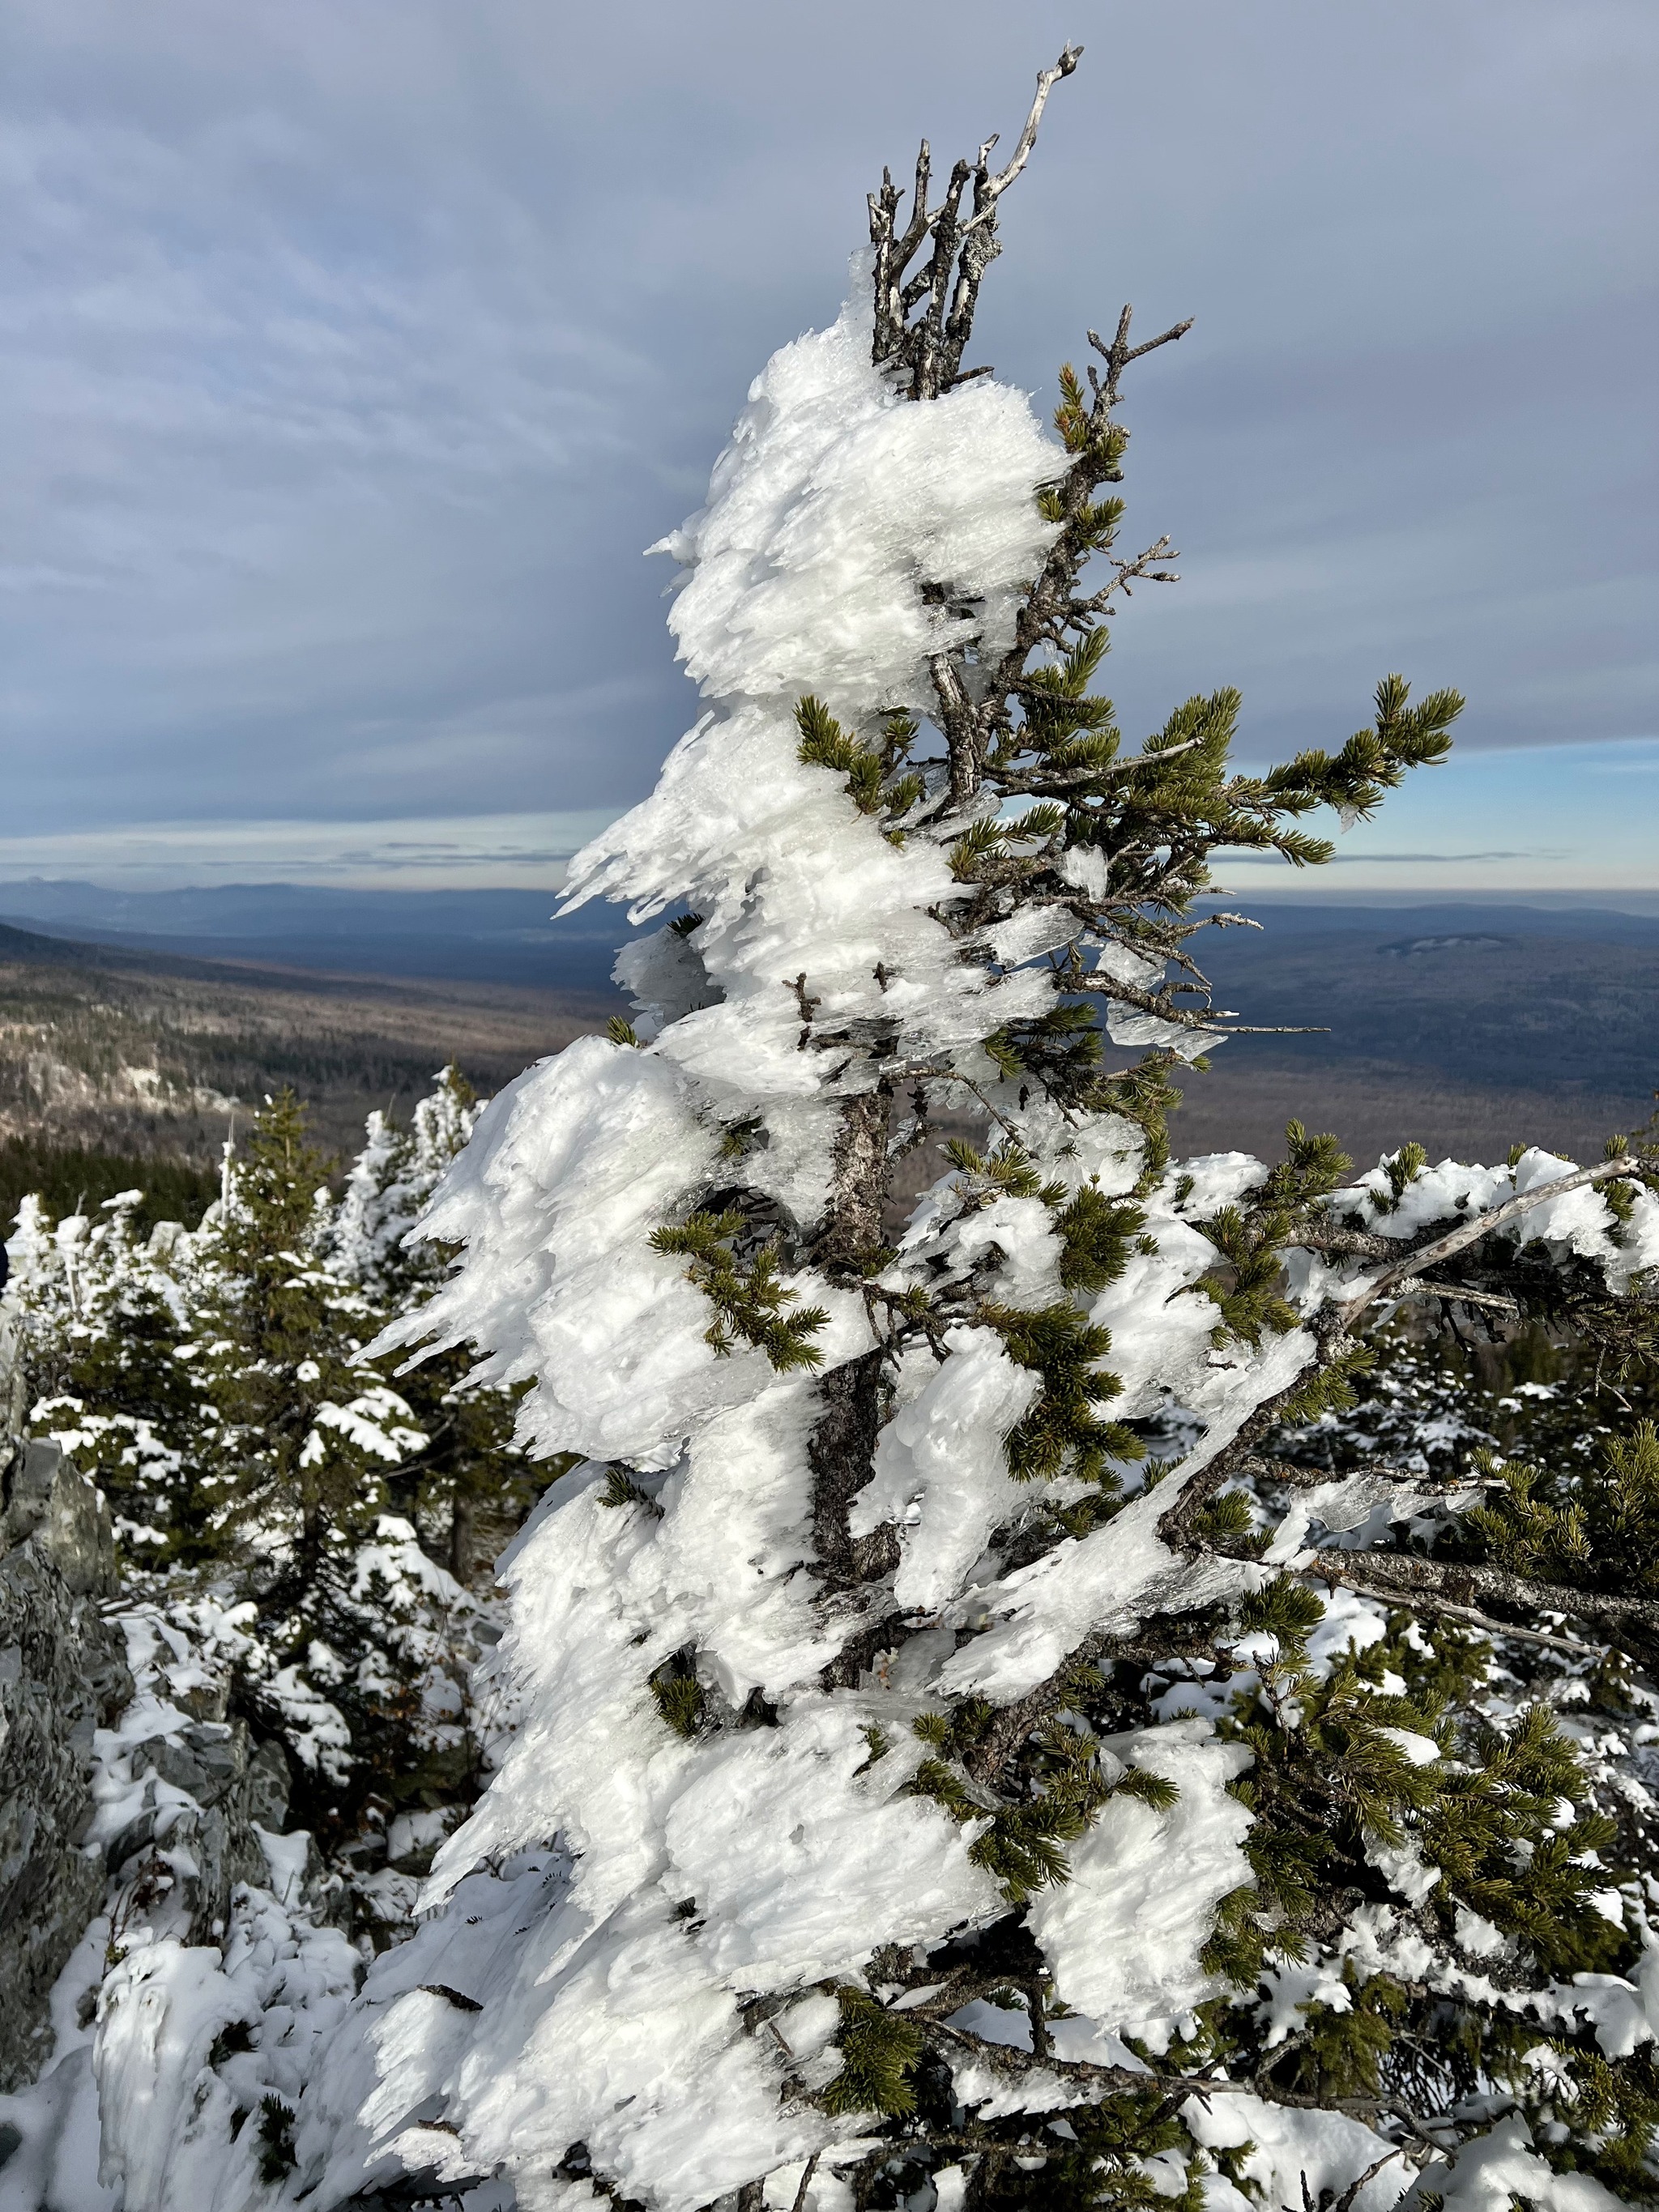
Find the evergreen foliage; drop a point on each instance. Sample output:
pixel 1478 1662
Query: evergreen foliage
pixel 879 2051
pixel 214 1381
pixel 77 1179
pixel 878 781
pixel 750 1303
pixel 1595 1529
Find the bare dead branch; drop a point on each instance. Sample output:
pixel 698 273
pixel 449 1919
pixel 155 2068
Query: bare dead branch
pixel 1047 80
pixel 1007 2058
pixel 1218 1021
pixel 1463 1296
pixel 928 351
pixel 1401 1575
pixel 1418 1601
pixel 811 2167
pixel 1345 2203
pixel 1118 356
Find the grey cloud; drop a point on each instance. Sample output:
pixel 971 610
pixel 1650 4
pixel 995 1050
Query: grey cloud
pixel 355 354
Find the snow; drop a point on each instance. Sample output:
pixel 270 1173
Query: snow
pixel 1420 1750
pixel 834 504
pixel 834 507
pixel 792 882
pixel 1123 1572
pixel 570 1169
pixel 1499 2167
pixel 941 1469
pixel 776 1829
pixel 133 2110
pixel 1624 2014
pixel 1291 2150
pixel 1579 1223
pixel 606 2023
pixel 56 2161
pixel 164 2109
pixel 377 1421
pixel 1124 1934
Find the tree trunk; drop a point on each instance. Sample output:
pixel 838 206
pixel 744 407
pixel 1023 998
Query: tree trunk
pixel 842 1445
pixel 463 1521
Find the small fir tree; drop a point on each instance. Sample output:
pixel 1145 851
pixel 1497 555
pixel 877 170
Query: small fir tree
pixel 214 1382
pixel 965 1755
pixel 468 1487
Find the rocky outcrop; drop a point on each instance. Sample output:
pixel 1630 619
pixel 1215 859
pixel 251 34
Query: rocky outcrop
pixel 206 1789
pixel 63 1673
pixel 51 1507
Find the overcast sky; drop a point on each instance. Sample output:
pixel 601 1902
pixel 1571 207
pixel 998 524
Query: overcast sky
pixel 355 350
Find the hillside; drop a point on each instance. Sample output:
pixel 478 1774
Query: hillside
pixel 149 1054
pixel 1468 1028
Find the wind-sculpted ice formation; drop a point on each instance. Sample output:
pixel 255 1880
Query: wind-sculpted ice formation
pixel 743 1815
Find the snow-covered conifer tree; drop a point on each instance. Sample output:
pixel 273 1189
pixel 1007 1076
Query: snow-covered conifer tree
pixel 953 1765
pixel 211 1381
pixel 468 1479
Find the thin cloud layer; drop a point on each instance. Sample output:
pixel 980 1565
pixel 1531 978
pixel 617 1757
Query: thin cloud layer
pixel 353 355
pixel 424 851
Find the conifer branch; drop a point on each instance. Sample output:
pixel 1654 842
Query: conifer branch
pixel 750 1303
pixel 1009 2059
pixel 1334 1325
pixel 1192 1018
pixel 1459 1294
pixel 802 2193
pixel 1403 1575
pixel 1624 1167
pixel 1420 1601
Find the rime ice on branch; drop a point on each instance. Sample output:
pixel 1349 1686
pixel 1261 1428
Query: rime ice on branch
pixel 842 1843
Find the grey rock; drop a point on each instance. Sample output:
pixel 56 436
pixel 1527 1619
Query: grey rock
pixel 139 1835
pixel 63 1673
pixel 210 1844
pixel 208 1759
pixel 46 1501
pixel 269 1785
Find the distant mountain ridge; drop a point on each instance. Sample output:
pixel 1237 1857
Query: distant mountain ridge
pixel 488 936
pixel 257 909
pixel 512 936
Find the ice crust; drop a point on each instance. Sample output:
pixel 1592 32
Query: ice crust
pixel 940 1468
pixel 1124 1934
pixel 836 504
